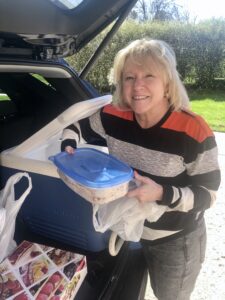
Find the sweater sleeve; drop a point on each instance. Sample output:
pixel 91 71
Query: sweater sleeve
pixel 82 132
pixel 203 177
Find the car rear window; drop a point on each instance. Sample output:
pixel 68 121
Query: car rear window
pixel 67 4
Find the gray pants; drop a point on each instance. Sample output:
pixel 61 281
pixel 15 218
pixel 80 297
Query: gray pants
pixel 174 265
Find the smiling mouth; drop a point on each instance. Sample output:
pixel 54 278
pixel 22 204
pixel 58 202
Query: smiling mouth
pixel 138 98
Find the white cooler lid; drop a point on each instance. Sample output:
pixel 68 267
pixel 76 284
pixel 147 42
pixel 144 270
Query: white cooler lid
pixel 71 115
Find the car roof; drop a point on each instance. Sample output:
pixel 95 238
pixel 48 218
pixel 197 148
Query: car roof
pixel 57 28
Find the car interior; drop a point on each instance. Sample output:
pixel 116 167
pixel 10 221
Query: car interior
pixel 32 99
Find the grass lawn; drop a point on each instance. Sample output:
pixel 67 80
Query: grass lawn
pixel 213 112
pixel 210 104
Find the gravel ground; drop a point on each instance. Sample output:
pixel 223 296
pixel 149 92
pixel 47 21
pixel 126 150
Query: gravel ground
pixel 211 281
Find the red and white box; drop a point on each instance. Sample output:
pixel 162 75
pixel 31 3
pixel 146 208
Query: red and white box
pixel 40 272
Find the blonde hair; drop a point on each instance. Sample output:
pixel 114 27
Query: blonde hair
pixel 164 59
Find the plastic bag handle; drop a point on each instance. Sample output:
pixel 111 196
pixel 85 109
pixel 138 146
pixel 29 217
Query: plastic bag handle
pixel 9 209
pixel 2 219
pixel 10 185
pixel 115 246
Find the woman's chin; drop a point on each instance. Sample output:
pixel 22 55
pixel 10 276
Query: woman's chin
pixel 140 109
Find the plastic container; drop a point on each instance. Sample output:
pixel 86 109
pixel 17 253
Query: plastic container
pixel 96 176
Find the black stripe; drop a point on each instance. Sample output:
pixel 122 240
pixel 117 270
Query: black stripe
pixel 174 204
pixel 202 198
pixel 191 227
pixel 74 128
pixel 89 135
pixel 68 142
pixel 173 220
pixel 210 180
pixel 180 180
pixel 155 138
pixel 167 195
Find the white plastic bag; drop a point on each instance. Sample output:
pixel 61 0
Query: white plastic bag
pixel 126 217
pixel 9 208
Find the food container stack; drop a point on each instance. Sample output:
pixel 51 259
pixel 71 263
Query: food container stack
pixel 96 176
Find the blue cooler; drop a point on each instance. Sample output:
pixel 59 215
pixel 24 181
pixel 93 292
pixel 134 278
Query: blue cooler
pixel 52 209
pixel 55 211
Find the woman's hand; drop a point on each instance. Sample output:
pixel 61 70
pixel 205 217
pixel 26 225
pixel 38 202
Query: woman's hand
pixel 148 190
pixel 69 150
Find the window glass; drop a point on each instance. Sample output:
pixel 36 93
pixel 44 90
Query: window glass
pixel 40 77
pixel 67 4
pixel 3 96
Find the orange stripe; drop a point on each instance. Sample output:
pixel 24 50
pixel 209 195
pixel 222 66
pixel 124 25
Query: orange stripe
pixel 193 125
pixel 112 110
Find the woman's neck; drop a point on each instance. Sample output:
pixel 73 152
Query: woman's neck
pixel 150 119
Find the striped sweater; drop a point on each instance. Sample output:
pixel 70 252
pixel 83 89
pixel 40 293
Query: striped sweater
pixel 179 152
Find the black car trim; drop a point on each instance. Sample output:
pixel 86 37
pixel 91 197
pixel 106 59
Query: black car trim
pixel 106 40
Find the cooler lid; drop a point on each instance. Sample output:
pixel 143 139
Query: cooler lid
pixel 71 115
pixel 93 168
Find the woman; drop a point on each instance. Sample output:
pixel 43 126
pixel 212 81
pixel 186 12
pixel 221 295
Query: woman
pixel 173 152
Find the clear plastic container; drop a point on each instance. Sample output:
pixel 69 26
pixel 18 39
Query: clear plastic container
pixel 96 176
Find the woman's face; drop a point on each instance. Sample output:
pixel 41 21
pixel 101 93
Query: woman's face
pixel 143 89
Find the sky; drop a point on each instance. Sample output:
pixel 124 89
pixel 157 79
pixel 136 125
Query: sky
pixel 204 9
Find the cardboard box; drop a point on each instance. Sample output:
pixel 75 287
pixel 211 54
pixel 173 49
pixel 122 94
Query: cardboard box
pixel 40 272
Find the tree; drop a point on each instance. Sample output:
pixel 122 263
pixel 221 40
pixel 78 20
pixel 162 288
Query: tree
pixel 164 10
pixel 159 10
pixel 143 7
pixel 141 11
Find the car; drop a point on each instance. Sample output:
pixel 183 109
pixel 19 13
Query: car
pixel 37 90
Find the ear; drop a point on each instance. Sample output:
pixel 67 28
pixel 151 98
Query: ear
pixel 166 92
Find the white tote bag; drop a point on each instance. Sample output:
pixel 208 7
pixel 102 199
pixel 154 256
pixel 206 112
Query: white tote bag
pixel 9 208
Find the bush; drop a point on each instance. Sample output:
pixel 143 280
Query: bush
pixel 200 50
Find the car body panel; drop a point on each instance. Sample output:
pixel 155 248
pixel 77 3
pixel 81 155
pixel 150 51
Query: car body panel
pixel 43 29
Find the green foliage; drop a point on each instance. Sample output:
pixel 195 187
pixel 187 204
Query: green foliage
pixel 209 52
pixel 200 50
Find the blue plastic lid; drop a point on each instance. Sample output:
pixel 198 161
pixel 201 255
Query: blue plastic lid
pixel 93 168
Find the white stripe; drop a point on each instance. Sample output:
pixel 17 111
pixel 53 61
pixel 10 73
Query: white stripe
pixel 205 162
pixel 154 234
pixel 81 140
pixel 70 134
pixel 187 200
pixel 149 161
pixel 176 194
pixel 96 124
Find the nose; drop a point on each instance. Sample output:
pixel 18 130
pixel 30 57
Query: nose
pixel 138 83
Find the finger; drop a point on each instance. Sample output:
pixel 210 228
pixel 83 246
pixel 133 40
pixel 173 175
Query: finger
pixel 140 178
pixel 133 193
pixel 69 150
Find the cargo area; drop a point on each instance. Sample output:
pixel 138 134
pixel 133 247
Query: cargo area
pixel 52 209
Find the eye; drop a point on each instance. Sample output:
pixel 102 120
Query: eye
pixel 149 76
pixel 129 78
